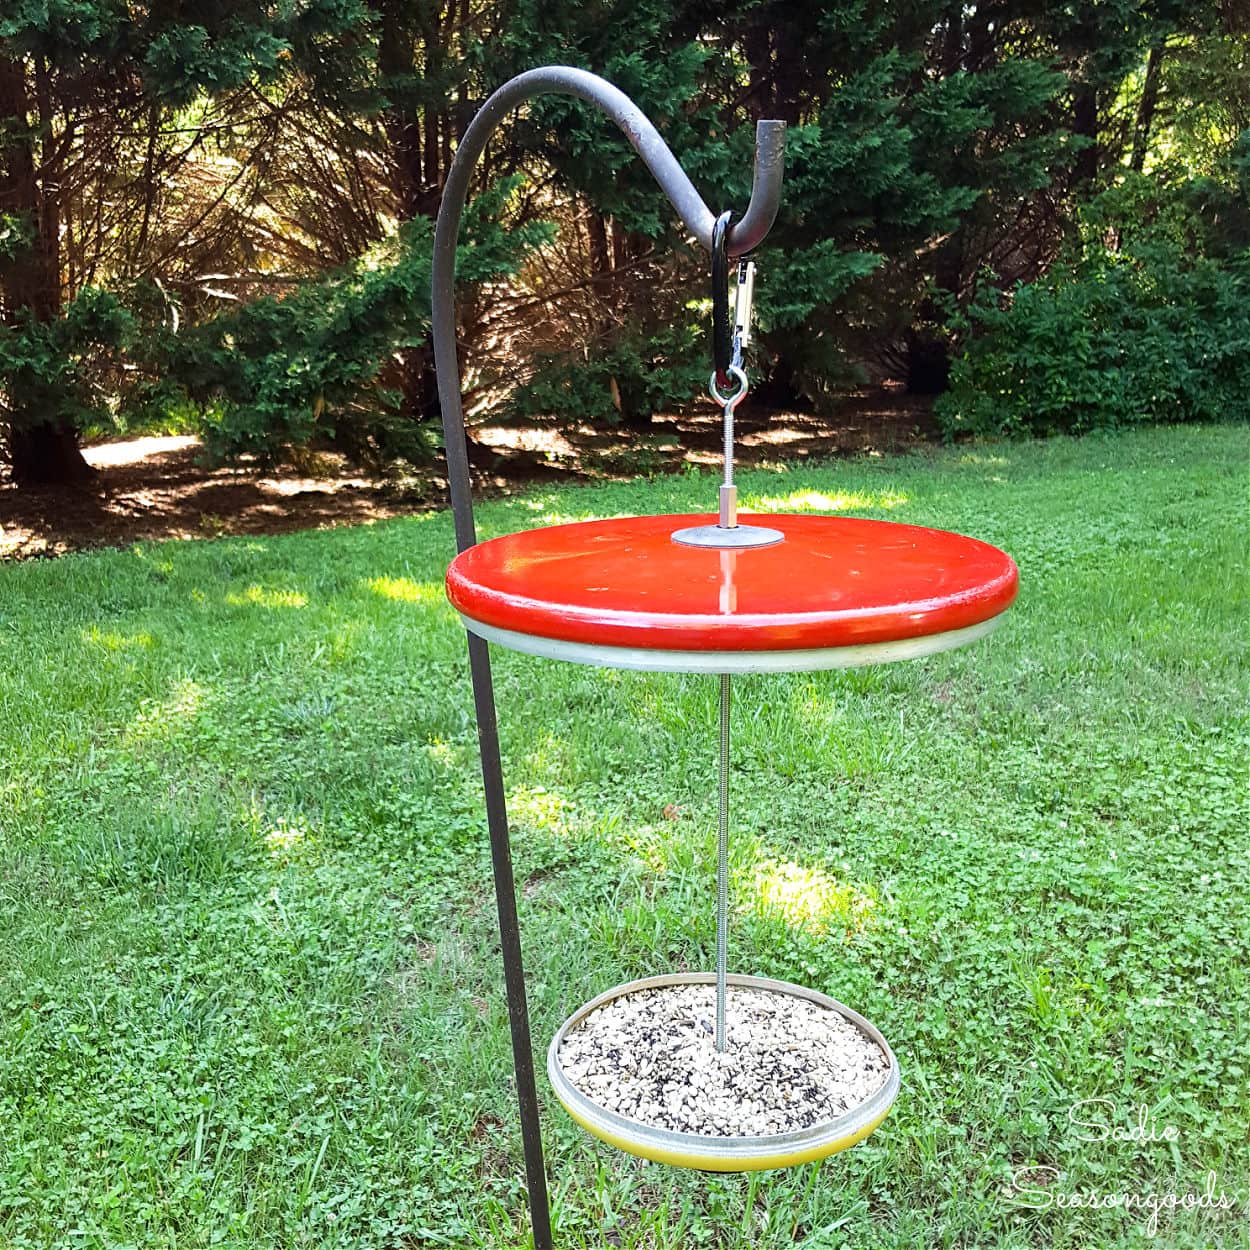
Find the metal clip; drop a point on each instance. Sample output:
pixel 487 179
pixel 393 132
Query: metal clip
pixel 744 298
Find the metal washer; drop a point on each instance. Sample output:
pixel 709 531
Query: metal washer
pixel 730 537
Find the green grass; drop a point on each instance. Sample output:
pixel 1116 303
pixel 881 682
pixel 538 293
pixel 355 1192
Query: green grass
pixel 249 982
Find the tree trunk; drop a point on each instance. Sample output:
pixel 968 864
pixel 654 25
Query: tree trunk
pixel 600 251
pixel 1146 108
pixel 928 346
pixel 760 58
pixel 635 416
pixel 1085 124
pixel 396 60
pixel 47 454
pixel 430 26
pixel 789 82
pixel 410 162
pixel 953 41
pixel 607 251
pixel 928 362
pixel 41 449
pixel 779 389
pixel 981 53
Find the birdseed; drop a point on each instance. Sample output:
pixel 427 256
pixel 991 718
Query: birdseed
pixel 789 1063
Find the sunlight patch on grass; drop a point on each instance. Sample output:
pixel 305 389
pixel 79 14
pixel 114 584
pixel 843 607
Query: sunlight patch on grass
pixel 653 846
pixel 158 719
pixel 540 808
pixel 441 752
pixel 405 590
pixel 264 597
pixel 160 564
pixel 286 836
pixel 548 755
pixel 111 640
pixel 980 458
pixel 807 897
pixel 538 503
pixel 572 518
pixel 818 501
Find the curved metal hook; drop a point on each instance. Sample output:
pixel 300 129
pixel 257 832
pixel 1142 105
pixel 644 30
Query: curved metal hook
pixel 742 236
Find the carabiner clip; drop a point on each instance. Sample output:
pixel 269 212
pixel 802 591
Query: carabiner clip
pixel 722 327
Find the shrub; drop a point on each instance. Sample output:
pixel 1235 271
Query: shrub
pixel 276 373
pixel 269 375
pixel 64 370
pixel 1147 319
pixel 629 380
pixel 313 366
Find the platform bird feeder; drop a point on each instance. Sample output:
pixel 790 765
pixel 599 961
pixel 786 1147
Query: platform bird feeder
pixel 651 1066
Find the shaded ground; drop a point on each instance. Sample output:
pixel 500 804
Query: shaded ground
pixel 154 488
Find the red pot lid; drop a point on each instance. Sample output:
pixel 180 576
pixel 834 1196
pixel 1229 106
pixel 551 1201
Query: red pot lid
pixel 832 582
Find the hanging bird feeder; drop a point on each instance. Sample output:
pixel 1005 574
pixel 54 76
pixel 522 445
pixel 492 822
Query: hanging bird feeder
pixel 662 1067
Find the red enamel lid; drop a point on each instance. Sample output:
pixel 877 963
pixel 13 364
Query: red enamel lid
pixel 832 582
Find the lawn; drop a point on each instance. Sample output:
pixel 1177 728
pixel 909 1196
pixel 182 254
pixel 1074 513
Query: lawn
pixel 250 992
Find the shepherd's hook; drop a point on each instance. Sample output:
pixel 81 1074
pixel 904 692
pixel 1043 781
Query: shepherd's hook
pixel 741 237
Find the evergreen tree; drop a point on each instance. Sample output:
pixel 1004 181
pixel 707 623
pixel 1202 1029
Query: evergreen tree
pixel 914 144
pixel 101 100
